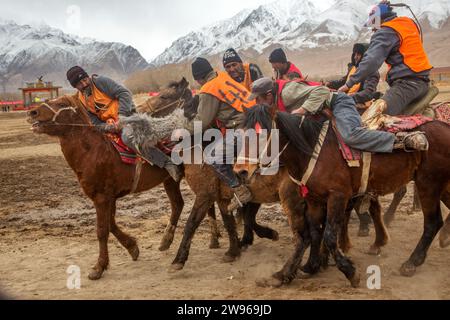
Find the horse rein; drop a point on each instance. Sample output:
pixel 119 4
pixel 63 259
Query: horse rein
pixel 57 113
pixel 261 166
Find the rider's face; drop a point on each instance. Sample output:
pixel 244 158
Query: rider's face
pixel 235 70
pixel 265 99
pixel 84 84
pixel 357 57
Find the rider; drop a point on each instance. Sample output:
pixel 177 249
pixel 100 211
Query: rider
pixel 365 91
pixel 244 73
pixel 107 102
pixel 222 102
pixel 396 41
pixel 300 98
pixel 283 68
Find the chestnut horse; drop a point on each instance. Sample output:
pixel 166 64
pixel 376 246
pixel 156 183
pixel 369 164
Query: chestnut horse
pixel 103 176
pixel 334 185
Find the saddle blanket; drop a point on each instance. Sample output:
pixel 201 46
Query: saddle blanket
pixel 129 156
pixel 390 124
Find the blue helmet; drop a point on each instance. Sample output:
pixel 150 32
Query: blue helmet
pixel 377 13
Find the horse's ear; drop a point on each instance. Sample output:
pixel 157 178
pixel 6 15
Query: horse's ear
pixel 184 83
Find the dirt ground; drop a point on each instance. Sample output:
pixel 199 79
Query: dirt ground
pixel 47 225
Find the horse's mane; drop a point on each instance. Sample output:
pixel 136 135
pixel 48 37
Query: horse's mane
pixel 303 132
pixel 76 103
pixel 257 114
pixel 303 137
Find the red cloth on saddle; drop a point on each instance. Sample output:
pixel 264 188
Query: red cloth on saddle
pixel 442 112
pixel 129 156
pixel 406 123
pixel 126 154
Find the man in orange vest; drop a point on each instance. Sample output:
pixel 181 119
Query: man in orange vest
pixel 396 41
pixel 361 92
pixel 106 102
pixel 283 68
pixel 222 102
pixel 244 73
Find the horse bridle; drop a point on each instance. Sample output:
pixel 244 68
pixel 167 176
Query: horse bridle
pixel 180 102
pixel 58 112
pixel 258 163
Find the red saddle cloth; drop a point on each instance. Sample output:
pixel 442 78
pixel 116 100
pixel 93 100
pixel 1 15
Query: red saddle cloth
pixel 129 156
pixel 404 123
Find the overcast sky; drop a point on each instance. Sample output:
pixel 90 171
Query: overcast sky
pixel 148 25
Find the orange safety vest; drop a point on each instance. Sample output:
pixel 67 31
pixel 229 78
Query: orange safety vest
pixel 248 78
pixel 227 90
pixel 411 47
pixel 100 104
pixel 357 86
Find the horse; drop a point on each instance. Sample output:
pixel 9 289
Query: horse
pixel 178 95
pixel 333 185
pixel 101 173
pixel 209 189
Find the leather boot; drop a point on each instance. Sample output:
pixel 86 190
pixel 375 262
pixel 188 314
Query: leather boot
pixel 411 141
pixel 241 196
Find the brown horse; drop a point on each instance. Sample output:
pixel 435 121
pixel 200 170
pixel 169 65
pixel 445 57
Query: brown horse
pixel 103 176
pixel 333 184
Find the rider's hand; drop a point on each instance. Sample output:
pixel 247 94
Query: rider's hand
pixel 299 111
pixel 344 89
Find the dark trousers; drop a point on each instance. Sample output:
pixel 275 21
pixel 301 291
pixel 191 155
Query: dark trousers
pixel 402 93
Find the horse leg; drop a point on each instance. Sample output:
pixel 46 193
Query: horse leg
pixel 215 233
pixel 444 236
pixel 250 211
pixel 344 239
pixel 315 216
pixel 390 213
pixel 248 214
pixel 103 206
pixel 290 268
pixel 381 234
pixel 429 194
pixel 125 240
pixel 416 207
pixel 336 207
pixel 198 213
pixel 176 204
pixel 364 220
pixel 229 223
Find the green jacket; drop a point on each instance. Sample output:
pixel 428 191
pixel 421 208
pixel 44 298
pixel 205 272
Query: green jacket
pixel 311 98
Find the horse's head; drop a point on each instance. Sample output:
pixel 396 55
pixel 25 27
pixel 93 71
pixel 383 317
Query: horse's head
pixel 177 94
pixel 257 118
pixel 58 116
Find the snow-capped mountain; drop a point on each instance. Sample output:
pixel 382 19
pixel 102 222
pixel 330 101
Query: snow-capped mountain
pixel 27 52
pixel 295 25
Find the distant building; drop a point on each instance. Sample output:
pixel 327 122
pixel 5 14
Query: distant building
pixel 36 92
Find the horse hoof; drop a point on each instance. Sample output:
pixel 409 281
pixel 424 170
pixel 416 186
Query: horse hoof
pixel 214 244
pixel 95 274
pixel 374 250
pixel 270 282
pixel 229 258
pixel 407 269
pixel 355 280
pixel 165 245
pixel 363 233
pixel 444 240
pixel 174 267
pixel 134 252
